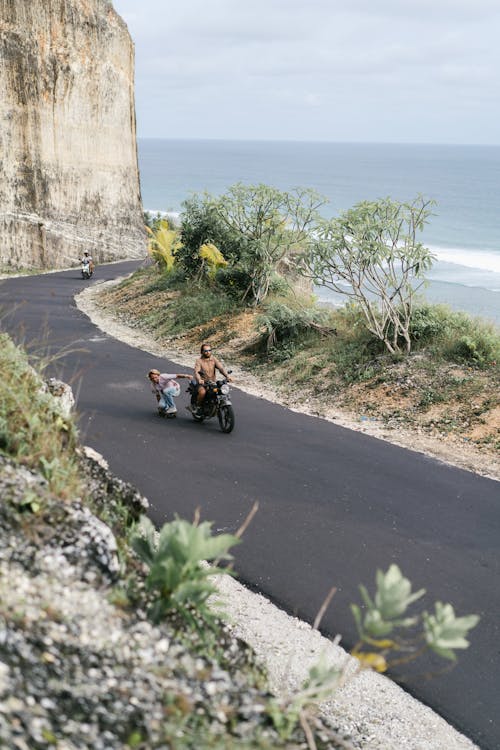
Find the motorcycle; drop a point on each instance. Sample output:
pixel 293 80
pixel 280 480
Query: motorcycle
pixel 86 269
pixel 216 402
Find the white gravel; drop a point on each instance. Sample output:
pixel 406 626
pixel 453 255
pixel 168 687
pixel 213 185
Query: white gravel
pixel 373 710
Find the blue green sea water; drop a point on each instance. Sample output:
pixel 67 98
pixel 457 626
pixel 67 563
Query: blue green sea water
pixel 464 233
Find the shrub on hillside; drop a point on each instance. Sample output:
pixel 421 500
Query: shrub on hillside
pixel 33 431
pixel 427 323
pixel 200 225
pixel 281 323
pixel 480 348
pixel 456 336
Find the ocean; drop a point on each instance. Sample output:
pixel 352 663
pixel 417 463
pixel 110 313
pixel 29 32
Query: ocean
pixel 464 233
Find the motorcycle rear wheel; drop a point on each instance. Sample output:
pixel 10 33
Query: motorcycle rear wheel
pixel 226 418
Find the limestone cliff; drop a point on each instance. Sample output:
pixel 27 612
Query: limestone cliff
pixel 68 157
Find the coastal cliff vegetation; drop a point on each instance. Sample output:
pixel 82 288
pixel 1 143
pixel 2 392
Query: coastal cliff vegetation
pixel 237 271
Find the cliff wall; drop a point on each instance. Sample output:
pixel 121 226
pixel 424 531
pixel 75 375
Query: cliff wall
pixel 68 157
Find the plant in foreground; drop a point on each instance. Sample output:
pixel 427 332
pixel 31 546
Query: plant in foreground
pixel 300 707
pixel 443 632
pixel 178 578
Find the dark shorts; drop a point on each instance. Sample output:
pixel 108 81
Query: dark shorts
pixel 194 386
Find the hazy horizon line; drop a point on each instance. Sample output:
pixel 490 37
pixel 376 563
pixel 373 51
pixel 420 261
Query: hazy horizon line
pixel 319 141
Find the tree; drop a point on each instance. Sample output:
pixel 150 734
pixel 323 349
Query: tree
pixel 201 227
pixel 163 244
pixel 270 224
pixel 370 253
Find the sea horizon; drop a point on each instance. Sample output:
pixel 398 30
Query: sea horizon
pixel 463 179
pixel 302 140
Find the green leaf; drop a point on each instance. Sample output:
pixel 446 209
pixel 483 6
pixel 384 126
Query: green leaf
pixel 143 541
pixel 177 578
pixel 356 612
pixel 445 632
pixel 375 626
pixel 393 596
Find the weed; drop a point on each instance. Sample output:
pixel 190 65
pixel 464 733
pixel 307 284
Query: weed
pixel 385 614
pixel 177 578
pixel 283 324
pixel 32 430
pixel 429 397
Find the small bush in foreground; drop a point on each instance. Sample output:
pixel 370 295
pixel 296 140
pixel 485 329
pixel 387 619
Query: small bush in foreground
pixel 443 632
pixel 177 579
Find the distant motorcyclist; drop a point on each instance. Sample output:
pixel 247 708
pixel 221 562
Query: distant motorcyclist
pixel 88 260
pixel 204 370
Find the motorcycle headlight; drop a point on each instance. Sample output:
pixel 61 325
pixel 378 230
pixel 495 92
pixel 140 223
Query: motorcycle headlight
pixel 224 389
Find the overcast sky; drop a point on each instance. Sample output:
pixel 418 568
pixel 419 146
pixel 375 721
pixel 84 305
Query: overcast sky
pixel 415 71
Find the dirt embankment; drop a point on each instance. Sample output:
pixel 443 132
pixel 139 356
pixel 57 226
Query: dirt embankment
pixel 447 411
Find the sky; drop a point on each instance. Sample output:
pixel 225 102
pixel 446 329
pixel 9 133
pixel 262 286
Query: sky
pixel 390 71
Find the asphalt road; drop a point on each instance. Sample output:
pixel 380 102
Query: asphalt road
pixel 334 504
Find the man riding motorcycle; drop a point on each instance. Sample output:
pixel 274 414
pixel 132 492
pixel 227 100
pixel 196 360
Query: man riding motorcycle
pixel 204 370
pixel 87 261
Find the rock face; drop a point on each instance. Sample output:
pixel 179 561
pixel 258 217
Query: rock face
pixel 68 153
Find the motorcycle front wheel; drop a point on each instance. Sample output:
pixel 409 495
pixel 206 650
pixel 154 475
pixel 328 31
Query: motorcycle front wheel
pixel 226 418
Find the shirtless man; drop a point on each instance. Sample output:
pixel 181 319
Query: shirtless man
pixel 204 369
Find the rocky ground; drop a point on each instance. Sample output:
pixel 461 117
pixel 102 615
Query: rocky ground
pixel 79 668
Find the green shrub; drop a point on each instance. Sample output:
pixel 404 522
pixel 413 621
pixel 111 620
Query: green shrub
pixel 177 578
pixel 233 280
pixel 387 613
pixel 151 220
pixel 284 324
pixel 32 429
pixel 427 323
pixel 456 336
pixel 200 224
pixel 481 348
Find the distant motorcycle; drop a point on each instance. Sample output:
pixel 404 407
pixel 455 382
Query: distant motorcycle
pixel 86 269
pixel 216 402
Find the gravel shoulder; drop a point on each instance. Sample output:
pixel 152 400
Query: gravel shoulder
pixel 371 709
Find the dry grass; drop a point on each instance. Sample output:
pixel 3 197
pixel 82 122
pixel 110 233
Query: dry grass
pixel 32 430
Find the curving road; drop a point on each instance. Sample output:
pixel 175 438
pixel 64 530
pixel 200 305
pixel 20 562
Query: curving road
pixel 334 504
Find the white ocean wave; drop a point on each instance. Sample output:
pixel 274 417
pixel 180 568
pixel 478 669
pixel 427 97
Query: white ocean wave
pixel 483 260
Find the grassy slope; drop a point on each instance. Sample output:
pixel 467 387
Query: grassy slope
pixel 448 388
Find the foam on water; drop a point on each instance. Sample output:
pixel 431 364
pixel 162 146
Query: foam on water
pixel 463 232
pixel 483 260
